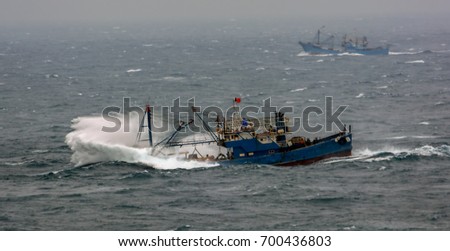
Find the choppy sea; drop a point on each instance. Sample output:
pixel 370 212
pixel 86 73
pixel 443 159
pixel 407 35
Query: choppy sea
pixel 59 172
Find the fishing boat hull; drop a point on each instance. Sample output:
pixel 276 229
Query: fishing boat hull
pixel 315 49
pixel 366 51
pixel 334 146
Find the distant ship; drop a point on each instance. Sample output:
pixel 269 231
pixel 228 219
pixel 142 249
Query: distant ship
pixel 242 143
pixel 359 46
pixel 318 47
pixel 349 45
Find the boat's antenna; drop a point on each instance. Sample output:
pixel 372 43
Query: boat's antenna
pixel 148 112
pixel 318 34
pixel 141 125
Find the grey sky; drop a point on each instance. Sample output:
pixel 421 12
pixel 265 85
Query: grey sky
pixel 54 11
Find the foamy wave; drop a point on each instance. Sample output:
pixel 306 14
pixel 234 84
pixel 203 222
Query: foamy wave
pixel 415 62
pixel 350 54
pixel 414 137
pixel 305 54
pixel 299 89
pixel 390 153
pixel 93 152
pixel 134 70
pixel 416 52
pixel 403 53
pixel 91 145
pixel 20 163
pixel 172 79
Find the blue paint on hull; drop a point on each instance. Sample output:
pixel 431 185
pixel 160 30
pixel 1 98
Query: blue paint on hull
pixel 315 49
pixel 350 48
pixel 333 146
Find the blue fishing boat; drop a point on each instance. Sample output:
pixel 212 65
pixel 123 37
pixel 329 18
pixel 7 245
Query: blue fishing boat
pixel 320 47
pixel 353 45
pixel 242 143
pixel 360 46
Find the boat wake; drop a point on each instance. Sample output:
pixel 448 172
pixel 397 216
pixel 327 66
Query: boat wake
pixel 415 62
pixel 397 53
pixel 92 145
pixel 392 153
pixel 306 54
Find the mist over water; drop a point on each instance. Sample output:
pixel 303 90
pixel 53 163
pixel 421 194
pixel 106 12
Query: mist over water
pixel 59 171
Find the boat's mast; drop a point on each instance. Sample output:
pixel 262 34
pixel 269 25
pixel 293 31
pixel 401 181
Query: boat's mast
pixel 149 124
pixel 318 36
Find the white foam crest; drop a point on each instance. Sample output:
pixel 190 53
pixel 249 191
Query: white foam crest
pixel 398 137
pixel 344 159
pixel 40 151
pixel 91 145
pixel 413 137
pixel 350 54
pixel 363 155
pixel 387 149
pixel 299 89
pixel 389 152
pixel 17 163
pixel 360 95
pixel 133 70
pixel 305 54
pixel 93 152
pixel 415 62
pixel 395 53
pixel 427 150
pixel 173 79
pixel 424 137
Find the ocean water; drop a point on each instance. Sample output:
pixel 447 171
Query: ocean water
pixel 58 171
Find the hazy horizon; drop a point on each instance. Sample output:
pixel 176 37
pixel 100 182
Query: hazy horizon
pixel 27 12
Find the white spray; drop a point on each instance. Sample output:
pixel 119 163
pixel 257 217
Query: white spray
pixel 91 144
